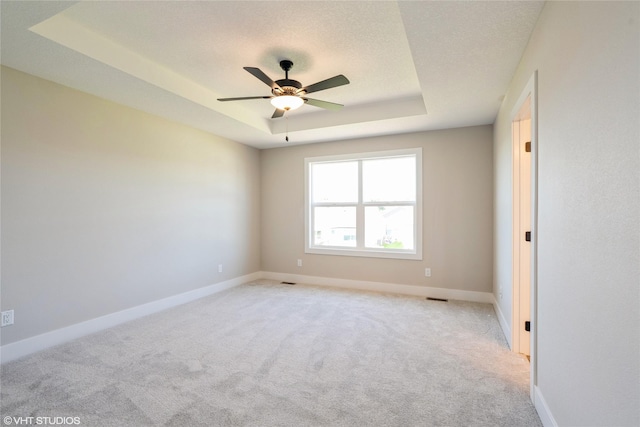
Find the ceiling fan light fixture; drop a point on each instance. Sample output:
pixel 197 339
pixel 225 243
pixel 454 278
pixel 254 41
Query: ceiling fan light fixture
pixel 287 102
pixel 289 94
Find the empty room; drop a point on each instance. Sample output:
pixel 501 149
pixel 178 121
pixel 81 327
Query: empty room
pixel 320 213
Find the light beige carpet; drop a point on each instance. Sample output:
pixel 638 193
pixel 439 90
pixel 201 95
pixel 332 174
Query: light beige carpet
pixel 268 354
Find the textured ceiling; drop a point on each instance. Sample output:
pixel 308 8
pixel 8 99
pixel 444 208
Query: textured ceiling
pixel 414 65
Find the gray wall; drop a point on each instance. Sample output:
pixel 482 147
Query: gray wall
pixel 458 211
pixel 106 208
pixel 588 61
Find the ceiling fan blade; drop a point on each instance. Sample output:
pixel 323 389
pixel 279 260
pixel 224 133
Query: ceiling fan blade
pixel 336 81
pixel 277 114
pixel 244 97
pixel 257 72
pixel 323 104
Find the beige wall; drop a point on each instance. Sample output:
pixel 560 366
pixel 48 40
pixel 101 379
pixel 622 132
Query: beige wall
pixel 457 228
pixel 588 59
pixel 106 208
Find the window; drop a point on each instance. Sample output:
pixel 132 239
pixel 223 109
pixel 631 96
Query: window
pixel 366 204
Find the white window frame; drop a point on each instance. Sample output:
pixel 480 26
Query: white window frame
pixel 360 250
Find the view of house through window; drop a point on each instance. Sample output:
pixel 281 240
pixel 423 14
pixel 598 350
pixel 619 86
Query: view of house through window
pixel 366 204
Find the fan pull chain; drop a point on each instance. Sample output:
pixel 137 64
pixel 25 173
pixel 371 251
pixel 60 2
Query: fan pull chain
pixel 286 121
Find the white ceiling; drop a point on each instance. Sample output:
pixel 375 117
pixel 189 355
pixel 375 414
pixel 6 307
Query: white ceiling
pixel 413 65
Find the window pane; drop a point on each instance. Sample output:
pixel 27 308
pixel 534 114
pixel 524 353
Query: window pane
pixel 389 227
pixel 390 180
pixel 334 182
pixel 334 226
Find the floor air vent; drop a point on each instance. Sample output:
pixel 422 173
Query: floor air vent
pixel 437 299
pixel 287 283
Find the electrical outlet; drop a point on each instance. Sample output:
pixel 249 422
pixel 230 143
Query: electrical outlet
pixel 7 318
pixel 219 268
pixel 299 263
pixel 427 272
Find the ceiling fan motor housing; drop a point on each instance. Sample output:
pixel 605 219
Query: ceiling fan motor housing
pixel 287 87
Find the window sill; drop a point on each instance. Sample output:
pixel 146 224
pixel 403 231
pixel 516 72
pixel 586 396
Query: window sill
pixel 371 253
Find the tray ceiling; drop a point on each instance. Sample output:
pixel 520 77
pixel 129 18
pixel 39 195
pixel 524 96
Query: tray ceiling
pixel 412 65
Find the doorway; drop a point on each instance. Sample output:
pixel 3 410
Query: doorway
pixel 521 137
pixel 524 120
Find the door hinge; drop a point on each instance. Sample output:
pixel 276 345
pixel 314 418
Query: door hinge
pixel 527 326
pixel 527 236
pixel 527 146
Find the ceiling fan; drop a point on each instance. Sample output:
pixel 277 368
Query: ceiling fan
pixel 289 94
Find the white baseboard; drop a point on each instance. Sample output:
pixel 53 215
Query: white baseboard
pixel 422 291
pixel 506 329
pixel 543 409
pixel 31 345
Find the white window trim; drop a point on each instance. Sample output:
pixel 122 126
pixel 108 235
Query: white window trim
pixel 415 254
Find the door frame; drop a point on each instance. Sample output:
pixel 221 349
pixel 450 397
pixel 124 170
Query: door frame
pixel 530 91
